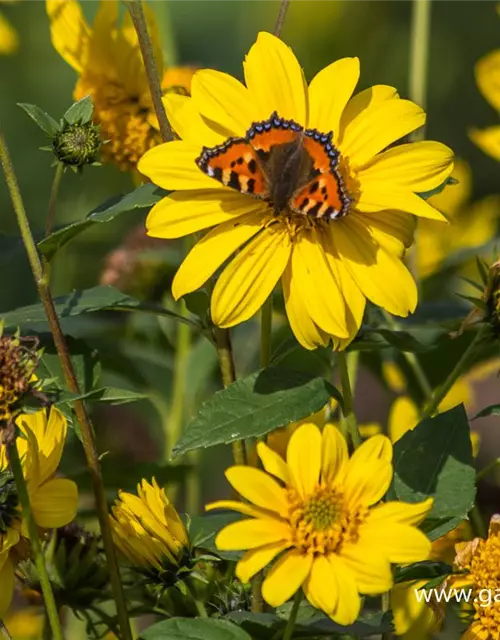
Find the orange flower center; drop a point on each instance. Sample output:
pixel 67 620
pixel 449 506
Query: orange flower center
pixel 321 522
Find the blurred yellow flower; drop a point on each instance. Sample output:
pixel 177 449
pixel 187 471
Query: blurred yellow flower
pixel 147 528
pixel 9 41
pixel 53 500
pixel 109 64
pixel 299 182
pixel 25 624
pixel 321 513
pixel 472 224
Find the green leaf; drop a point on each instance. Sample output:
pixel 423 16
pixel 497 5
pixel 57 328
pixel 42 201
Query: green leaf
pixel 194 629
pixel 433 192
pixel 254 406
pixel 46 123
pixel 411 339
pixel 492 410
pixel 435 460
pixel 203 529
pixel 143 197
pixel 80 112
pixel 482 268
pixel 100 298
pixel 427 570
pixel 85 363
pixel 109 395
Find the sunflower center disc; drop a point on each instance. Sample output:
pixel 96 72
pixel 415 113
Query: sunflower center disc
pixel 322 512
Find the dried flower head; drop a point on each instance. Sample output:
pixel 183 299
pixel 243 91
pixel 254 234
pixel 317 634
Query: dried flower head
pixel 18 361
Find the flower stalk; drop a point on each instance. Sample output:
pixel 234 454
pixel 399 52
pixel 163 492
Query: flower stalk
pixel 281 17
pixel 88 436
pixel 54 192
pixel 348 400
pixel 290 625
pixel 36 547
pixel 266 328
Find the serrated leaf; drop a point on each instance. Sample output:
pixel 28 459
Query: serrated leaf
pixel 435 460
pixel 492 410
pixel 194 629
pixel 254 406
pixel 80 112
pixel 433 192
pixel 46 123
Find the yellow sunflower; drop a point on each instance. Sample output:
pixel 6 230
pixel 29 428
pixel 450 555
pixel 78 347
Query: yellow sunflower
pixel 339 238
pixel 109 64
pixel 320 514
pixel 147 528
pixel 53 500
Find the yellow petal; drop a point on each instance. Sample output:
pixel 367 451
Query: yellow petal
pixel 366 480
pixel 257 559
pixel 399 543
pixel 376 197
pixel 224 100
pixel 364 101
pixel 259 488
pixel 303 458
pixel 273 462
pixel 397 512
pixel 173 166
pixel 213 250
pixel 349 602
pixel 413 618
pixel 248 280
pixel 189 125
pixel 378 447
pixel 9 42
pixel 234 505
pixel 319 286
pixel 381 277
pixel 321 587
pixel 417 166
pixel 329 92
pixel 250 534
pixel 371 570
pixel 54 504
pixel 185 212
pixel 69 31
pixel 304 328
pixel 403 416
pixel 487 71
pixel 7 582
pixel 50 436
pixel 375 129
pixel 334 454
pixel 488 140
pixel 275 79
pixel 286 577
pixel 397 225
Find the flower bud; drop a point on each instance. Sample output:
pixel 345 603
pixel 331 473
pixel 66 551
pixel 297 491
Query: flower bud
pixel 77 144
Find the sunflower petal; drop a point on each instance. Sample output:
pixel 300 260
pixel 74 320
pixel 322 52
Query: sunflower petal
pixel 273 462
pixel 399 543
pixel 235 505
pixel 250 534
pixel 286 577
pixel 257 559
pixel 488 140
pixel 349 602
pixel 303 458
pixel 275 79
pixel 377 447
pixel 377 197
pixel 371 570
pixel 366 481
pixel 401 512
pixel 188 123
pixel 69 32
pixel 248 280
pixel 487 72
pixel 364 101
pixel 54 504
pixel 258 487
pixel 321 587
pixel 334 454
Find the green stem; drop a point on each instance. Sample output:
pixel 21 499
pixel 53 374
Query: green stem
pixel 87 431
pixel 36 546
pixel 54 192
pixel 488 469
pixel 290 625
pixel 478 522
pixel 467 357
pixel 139 19
pixel 280 20
pixel 348 400
pixel 5 631
pixel 266 327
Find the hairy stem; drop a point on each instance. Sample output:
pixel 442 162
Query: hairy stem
pixel 36 546
pixel 54 192
pixel 348 400
pixel 87 431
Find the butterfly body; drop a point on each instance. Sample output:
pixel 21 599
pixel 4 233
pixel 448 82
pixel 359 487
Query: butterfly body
pixel 293 169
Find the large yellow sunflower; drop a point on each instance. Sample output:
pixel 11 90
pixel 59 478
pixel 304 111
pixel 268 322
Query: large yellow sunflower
pixel 109 64
pixel 320 513
pixel 53 500
pixel 330 255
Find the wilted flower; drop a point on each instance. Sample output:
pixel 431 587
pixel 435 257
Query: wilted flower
pixel 110 69
pixel 320 513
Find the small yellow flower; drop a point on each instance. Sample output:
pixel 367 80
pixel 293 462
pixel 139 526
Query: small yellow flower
pixel 53 500
pixel 9 42
pixel 332 252
pixel 109 64
pixel 147 528
pixel 320 514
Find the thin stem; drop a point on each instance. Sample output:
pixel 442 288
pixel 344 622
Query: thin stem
pixel 280 20
pixel 5 631
pixel 139 19
pixel 36 546
pixel 348 400
pixel 87 431
pixel 228 373
pixel 266 327
pixel 54 192
pixel 478 522
pixel 488 469
pixel 467 357
pixel 419 56
pixel 290 625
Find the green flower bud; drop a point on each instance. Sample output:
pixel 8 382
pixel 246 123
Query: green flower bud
pixel 77 144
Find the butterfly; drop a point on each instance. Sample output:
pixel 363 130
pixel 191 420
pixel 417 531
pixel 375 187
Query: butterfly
pixel 279 161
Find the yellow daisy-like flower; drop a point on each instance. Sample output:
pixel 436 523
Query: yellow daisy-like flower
pixel 53 500
pixel 320 513
pixel 147 528
pixel 332 223
pixel 109 64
